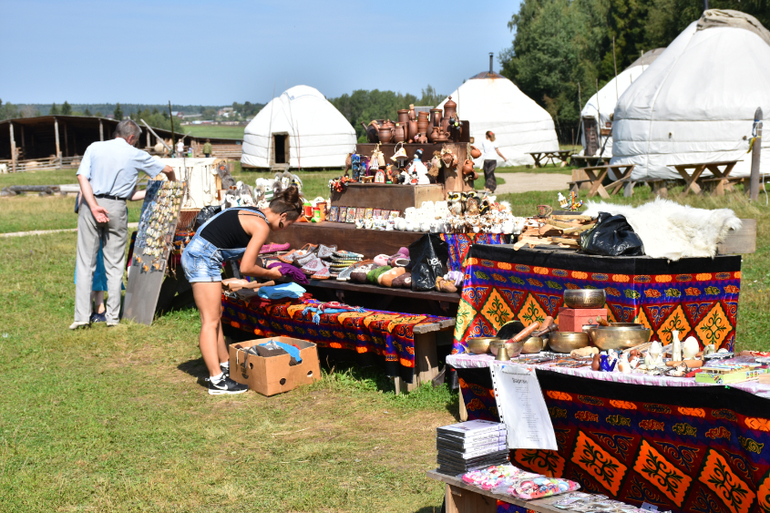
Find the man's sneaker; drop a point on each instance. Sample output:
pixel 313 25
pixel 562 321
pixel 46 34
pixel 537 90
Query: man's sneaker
pixel 225 386
pixel 98 317
pixel 76 325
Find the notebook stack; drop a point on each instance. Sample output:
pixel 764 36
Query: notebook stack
pixel 470 445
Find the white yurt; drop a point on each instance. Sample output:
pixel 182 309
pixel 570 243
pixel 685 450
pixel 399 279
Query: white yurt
pixel 299 129
pixel 492 102
pixel 696 102
pixel 599 108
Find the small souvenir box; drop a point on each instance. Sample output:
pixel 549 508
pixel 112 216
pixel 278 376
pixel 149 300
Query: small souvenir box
pixel 333 213
pixel 573 319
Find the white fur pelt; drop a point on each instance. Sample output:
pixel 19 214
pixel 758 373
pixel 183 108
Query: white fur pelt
pixel 673 231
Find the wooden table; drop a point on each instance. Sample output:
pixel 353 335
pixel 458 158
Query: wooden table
pixel 692 174
pixel 460 497
pixel 583 160
pixel 550 156
pixel 596 175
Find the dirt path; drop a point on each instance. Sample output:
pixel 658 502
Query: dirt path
pixel 525 182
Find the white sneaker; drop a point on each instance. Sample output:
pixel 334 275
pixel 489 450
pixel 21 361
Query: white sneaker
pixel 75 325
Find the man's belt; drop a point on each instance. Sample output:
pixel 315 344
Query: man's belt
pixel 107 196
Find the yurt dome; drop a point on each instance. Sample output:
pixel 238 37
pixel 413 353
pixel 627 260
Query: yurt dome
pixel 492 102
pixel 597 113
pixel 696 102
pixel 299 129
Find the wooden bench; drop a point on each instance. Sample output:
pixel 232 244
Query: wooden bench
pixel 692 175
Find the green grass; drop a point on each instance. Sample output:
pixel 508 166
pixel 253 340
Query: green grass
pixel 113 419
pixel 225 132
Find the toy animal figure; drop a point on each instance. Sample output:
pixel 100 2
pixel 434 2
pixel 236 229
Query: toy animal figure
pixel 455 203
pixel 435 164
pixel 472 203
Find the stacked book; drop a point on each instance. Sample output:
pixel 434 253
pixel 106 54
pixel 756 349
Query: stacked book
pixel 470 445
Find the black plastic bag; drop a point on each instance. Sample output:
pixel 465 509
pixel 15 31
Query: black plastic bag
pixel 427 258
pixel 205 214
pixel 611 236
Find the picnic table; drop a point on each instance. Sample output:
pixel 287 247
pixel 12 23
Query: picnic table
pixel 596 175
pixel 550 156
pixel 592 161
pixel 692 175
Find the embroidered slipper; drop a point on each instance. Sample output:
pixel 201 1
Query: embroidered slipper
pixel 313 266
pixel 323 274
pixel 304 259
pixel 289 257
pixel 345 274
pixel 326 252
pixel 347 254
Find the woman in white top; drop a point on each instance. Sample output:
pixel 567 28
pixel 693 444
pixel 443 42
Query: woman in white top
pixel 490 161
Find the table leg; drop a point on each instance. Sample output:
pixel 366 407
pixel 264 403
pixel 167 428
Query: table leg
pixel 659 188
pixel 425 363
pixel 463 409
pixel 690 180
pixel 596 184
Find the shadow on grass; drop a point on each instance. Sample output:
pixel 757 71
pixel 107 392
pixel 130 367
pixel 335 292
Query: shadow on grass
pixel 195 368
pixel 431 509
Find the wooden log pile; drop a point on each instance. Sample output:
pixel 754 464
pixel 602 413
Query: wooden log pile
pixel 562 231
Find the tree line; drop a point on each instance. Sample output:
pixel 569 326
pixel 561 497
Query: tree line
pixel 363 106
pixel 563 50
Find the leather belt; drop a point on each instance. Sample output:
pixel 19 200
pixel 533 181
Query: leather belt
pixel 107 196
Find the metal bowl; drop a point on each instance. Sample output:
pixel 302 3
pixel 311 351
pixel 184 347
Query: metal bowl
pixel 584 298
pixel 512 348
pixel 480 345
pixel 566 341
pixel 533 345
pixel 618 337
pixel 627 325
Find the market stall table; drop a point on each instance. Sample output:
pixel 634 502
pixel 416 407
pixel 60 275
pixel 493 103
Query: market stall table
pixel 666 441
pixel 692 174
pixel 588 161
pixel 697 296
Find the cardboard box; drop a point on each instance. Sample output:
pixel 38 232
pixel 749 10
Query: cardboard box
pixel 273 375
pixel 573 319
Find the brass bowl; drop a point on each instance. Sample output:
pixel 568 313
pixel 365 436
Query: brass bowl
pixel 584 298
pixel 512 348
pixel 618 337
pixel 627 325
pixel 480 345
pixel 533 345
pixel 566 341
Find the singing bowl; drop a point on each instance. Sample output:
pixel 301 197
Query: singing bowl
pixel 566 341
pixel 533 345
pixel 618 337
pixel 584 298
pixel 480 345
pixel 512 348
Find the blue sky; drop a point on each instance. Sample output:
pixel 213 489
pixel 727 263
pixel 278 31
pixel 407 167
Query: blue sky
pixel 213 53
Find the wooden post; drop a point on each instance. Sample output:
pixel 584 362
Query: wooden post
pixel 148 138
pixel 13 148
pixel 56 134
pixel 66 140
pixel 755 156
pixel 101 130
pixel 171 118
pixel 23 142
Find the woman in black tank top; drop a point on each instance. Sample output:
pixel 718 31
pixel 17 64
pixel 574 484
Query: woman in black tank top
pixel 234 229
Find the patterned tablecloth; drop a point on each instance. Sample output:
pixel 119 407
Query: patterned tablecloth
pixel 688 448
pixel 697 296
pixel 386 334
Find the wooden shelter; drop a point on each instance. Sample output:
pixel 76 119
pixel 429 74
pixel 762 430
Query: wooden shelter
pixel 53 142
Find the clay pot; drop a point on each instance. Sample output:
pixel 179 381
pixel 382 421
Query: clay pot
pixel 422 116
pixel 411 129
pixel 468 167
pixel 403 116
pixel 422 126
pixel 421 138
pixel 412 115
pixel 439 135
pixel 371 132
pixel 400 133
pixel 450 109
pixel 386 134
pixel 435 117
pixel 389 124
pixel 475 152
pixel 433 133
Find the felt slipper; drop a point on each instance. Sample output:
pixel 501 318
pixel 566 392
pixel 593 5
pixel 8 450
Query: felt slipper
pixel 403 282
pixel 374 274
pixel 398 261
pixel 443 285
pixel 381 260
pixel 359 273
pixel 273 248
pixel 386 279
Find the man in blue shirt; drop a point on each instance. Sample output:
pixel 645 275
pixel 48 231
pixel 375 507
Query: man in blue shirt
pixel 107 177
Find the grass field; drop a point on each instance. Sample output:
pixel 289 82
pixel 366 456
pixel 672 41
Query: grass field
pixel 225 132
pixel 116 420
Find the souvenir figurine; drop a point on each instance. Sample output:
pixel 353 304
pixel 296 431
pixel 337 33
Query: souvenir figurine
pixel 418 169
pixel 676 346
pixel 690 348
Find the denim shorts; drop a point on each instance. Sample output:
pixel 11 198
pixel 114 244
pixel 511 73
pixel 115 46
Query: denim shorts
pixel 202 261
